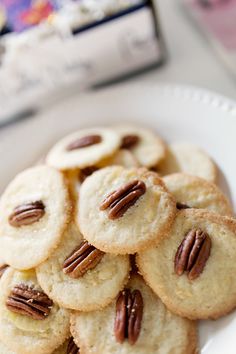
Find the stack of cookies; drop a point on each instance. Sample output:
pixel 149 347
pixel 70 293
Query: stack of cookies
pixel 116 243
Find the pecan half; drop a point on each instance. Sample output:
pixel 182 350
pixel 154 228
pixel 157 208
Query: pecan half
pixel 123 198
pixel 193 253
pixel 2 269
pixel 85 172
pixel 27 301
pixel 27 214
pixel 84 142
pixel 82 259
pixel 181 206
pixel 129 141
pixel 129 314
pixel 72 347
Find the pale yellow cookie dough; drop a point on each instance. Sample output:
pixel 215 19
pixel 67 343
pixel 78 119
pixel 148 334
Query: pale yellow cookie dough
pixel 161 332
pixel 27 246
pixel 5 350
pixel 61 158
pixel 23 334
pixel 95 289
pixel 143 224
pixel 187 158
pixel 149 150
pixel 197 192
pixel 213 293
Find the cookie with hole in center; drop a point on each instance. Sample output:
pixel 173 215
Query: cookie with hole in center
pixel 76 268
pixel 193 269
pixel 30 322
pixel 35 209
pixel 196 192
pixel 124 210
pixel 148 148
pixel 83 148
pixel 190 159
pixel 136 322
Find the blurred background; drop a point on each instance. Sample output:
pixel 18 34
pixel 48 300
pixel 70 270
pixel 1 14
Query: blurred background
pixel 51 49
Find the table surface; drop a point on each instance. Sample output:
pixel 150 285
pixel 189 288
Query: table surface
pixel 191 59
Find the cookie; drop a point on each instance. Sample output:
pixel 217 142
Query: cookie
pixel 124 210
pixel 29 321
pixel 76 268
pixel 150 327
pixel 193 269
pixel 83 148
pixel 145 145
pixel 122 157
pixel 196 192
pixel 187 158
pixel 34 211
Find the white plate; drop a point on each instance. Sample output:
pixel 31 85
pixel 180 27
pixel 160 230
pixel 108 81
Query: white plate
pixel 176 113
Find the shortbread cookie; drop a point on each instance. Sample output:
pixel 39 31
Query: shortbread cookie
pixel 76 268
pixel 187 158
pixel 147 327
pixel 145 145
pixel 34 211
pixel 124 210
pixel 193 269
pixel 83 148
pixel 196 192
pixel 29 321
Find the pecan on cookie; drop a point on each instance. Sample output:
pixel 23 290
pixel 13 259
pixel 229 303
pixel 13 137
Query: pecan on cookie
pixel 129 141
pixel 193 253
pixel 30 321
pixel 123 198
pixel 27 214
pixel 192 270
pixel 35 209
pixel 27 301
pixel 83 142
pixel 129 313
pixel 84 148
pixel 76 268
pixel 82 258
pixel 124 210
